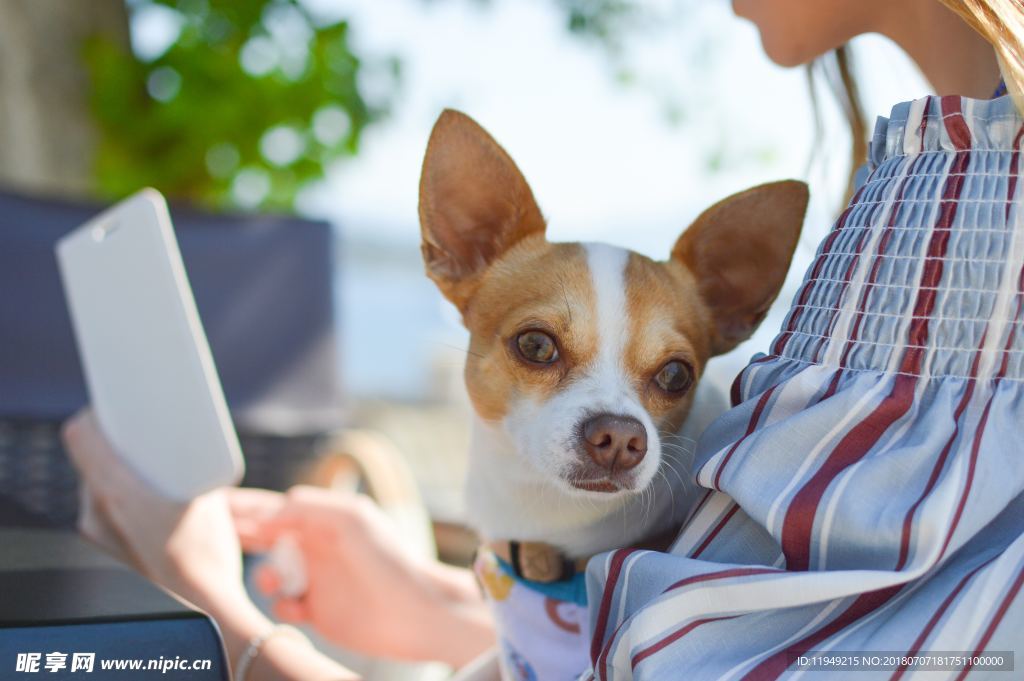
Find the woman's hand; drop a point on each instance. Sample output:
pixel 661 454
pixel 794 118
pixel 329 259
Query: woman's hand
pixel 192 549
pixel 365 591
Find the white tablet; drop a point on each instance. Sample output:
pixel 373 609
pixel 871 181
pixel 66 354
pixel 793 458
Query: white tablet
pixel 147 364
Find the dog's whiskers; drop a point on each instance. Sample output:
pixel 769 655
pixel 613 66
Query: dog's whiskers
pixel 671 493
pixel 679 476
pixel 669 435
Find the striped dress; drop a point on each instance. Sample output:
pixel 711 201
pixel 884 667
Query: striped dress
pixel 866 491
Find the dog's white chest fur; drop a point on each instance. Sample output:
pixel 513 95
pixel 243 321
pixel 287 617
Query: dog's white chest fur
pixel 539 635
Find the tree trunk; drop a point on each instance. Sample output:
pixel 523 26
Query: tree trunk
pixel 47 135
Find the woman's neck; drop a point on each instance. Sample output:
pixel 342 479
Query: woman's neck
pixel 952 56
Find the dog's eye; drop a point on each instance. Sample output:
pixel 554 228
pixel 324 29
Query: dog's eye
pixel 537 347
pixel 674 377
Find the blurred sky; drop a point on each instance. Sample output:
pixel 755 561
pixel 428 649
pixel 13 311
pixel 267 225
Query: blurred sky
pixel 629 164
pixel 602 158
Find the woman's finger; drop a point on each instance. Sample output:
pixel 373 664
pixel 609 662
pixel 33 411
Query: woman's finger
pixel 251 536
pixel 97 528
pixel 94 457
pixel 267 580
pixel 258 532
pixel 251 511
pixel 91 455
pixel 262 516
pixel 86 449
pixel 291 610
pixel 246 503
pixel 259 535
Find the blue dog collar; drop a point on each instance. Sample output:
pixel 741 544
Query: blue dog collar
pixel 572 590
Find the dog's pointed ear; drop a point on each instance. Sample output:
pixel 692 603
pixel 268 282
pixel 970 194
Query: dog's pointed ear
pixel 474 205
pixel 739 250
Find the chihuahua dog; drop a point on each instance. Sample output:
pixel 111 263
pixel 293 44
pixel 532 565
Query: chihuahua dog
pixel 582 366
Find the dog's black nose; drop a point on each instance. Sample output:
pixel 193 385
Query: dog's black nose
pixel 615 443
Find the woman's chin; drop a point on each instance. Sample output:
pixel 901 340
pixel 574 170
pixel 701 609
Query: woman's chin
pixel 785 56
pixel 786 51
pixel 783 37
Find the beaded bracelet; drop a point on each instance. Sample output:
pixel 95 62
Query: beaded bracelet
pixel 252 651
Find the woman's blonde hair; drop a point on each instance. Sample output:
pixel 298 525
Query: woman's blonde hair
pixel 1000 22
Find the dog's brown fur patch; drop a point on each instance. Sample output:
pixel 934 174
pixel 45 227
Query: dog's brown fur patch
pixel 536 285
pixel 662 301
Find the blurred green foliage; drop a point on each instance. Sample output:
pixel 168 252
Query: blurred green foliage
pixel 603 20
pixel 252 100
pixel 249 101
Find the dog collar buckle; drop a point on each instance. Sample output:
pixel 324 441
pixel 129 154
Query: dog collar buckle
pixel 539 562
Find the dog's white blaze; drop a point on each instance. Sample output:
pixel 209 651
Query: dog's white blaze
pixel 609 387
pixel 608 275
